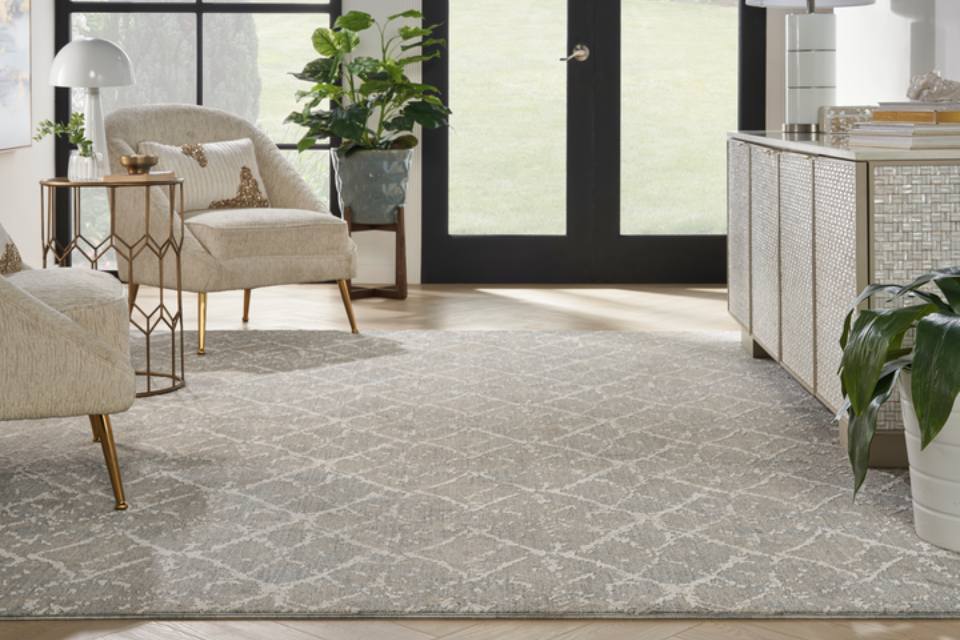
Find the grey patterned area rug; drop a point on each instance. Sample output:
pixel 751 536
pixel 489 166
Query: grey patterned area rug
pixel 470 474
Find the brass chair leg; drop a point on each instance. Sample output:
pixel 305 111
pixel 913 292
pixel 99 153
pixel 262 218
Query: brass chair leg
pixel 348 305
pixel 246 305
pixel 110 457
pixel 95 427
pixel 202 320
pixel 132 290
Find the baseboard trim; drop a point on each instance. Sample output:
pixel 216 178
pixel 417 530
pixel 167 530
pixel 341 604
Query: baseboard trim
pixel 888 451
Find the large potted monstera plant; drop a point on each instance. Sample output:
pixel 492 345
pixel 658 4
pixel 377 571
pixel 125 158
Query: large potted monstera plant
pixel 913 345
pixel 371 105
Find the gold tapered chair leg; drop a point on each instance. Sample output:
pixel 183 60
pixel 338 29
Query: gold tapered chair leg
pixel 246 305
pixel 348 305
pixel 132 289
pixel 202 320
pixel 95 427
pixel 110 457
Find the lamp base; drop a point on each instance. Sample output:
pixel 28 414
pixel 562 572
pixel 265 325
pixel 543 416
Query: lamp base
pixel 95 130
pixel 794 128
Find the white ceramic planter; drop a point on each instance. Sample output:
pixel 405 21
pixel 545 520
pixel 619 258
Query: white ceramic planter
pixel 934 475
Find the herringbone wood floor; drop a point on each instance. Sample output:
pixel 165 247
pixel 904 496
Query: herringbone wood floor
pixel 633 308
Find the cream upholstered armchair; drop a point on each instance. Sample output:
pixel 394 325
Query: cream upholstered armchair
pixel 293 241
pixel 64 336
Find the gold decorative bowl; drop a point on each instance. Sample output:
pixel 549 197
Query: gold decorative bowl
pixel 138 163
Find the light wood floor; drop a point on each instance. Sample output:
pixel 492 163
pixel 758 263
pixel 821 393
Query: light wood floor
pixel 627 308
pixel 458 307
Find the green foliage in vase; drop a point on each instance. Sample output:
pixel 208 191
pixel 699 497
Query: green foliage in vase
pixel 74 130
pixel 369 102
pixel 874 356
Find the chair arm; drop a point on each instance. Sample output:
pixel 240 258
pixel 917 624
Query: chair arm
pixel 286 189
pixel 50 366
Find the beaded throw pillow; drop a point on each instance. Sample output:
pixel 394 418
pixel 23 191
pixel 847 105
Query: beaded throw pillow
pixel 10 261
pixel 217 175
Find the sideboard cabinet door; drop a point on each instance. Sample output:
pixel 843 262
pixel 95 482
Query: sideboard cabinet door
pixel 796 266
pixel 738 232
pixel 839 204
pixel 765 248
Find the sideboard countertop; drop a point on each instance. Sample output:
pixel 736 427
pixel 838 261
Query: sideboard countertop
pixel 837 146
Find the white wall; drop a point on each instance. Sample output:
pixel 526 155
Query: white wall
pixel 20 169
pixel 948 38
pixel 879 48
pixel 377 248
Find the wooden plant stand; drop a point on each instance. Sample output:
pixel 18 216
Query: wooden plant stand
pixel 399 290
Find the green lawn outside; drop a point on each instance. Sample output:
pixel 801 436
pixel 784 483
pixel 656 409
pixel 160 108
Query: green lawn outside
pixel 508 95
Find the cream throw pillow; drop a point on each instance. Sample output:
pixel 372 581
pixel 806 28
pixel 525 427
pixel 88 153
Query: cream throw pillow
pixel 10 261
pixel 216 175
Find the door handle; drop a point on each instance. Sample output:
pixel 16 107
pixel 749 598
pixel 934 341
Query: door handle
pixel 580 54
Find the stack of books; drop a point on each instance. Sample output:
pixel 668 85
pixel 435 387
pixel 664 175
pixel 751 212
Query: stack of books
pixel 910 125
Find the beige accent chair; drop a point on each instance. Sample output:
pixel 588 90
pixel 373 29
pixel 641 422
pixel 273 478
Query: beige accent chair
pixel 294 241
pixel 64 340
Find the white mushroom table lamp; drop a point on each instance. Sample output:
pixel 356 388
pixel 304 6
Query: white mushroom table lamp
pixel 90 64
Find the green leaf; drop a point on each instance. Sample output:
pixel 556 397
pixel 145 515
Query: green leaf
pixel 306 143
pixel 408 33
pixel 409 13
pixel 926 278
pixel 874 333
pixel 347 41
pixel 950 286
pixel 375 86
pixel 363 66
pixel 845 334
pixel 897 292
pixel 408 141
pixel 350 123
pixel 354 21
pixel 440 42
pixel 427 115
pixel 325 42
pixel 936 372
pixel 863 426
pixel 319 70
pixel 394 71
pixel 416 59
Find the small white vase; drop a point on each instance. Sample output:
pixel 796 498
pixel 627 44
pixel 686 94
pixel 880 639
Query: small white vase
pixel 85 168
pixel 934 475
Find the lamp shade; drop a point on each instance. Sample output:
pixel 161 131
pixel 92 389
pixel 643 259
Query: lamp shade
pixel 801 4
pixel 90 63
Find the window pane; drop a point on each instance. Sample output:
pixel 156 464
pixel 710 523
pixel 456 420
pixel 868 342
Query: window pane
pixel 247 61
pixel 314 166
pixel 679 97
pixel 162 47
pixel 94 228
pixel 508 128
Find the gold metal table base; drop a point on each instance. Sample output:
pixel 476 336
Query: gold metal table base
pixel 158 241
pixel 176 383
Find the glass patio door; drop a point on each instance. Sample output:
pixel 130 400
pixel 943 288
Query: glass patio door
pixel 608 166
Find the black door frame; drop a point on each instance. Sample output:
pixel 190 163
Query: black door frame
pixel 568 259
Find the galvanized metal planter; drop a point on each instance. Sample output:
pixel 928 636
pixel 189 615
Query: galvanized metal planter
pixel 373 183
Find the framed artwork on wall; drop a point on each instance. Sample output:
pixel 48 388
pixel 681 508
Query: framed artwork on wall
pixel 15 125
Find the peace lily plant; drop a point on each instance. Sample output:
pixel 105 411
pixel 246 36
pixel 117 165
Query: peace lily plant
pixel 877 356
